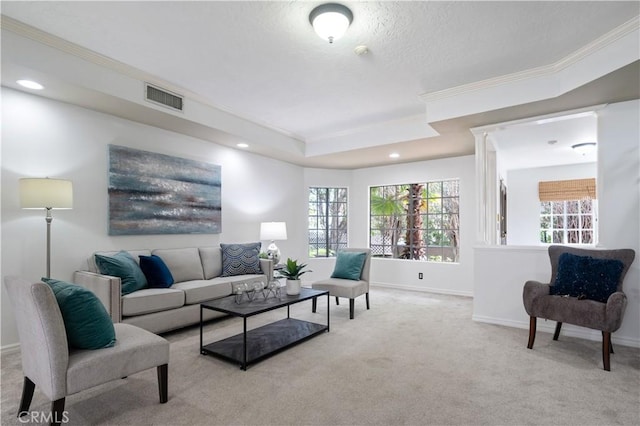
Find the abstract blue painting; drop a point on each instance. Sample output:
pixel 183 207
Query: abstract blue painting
pixel 152 193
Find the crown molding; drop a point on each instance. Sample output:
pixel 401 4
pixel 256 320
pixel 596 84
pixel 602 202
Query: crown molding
pixel 543 71
pixel 43 37
pixel 591 110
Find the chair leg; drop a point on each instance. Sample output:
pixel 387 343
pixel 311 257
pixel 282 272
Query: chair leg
pixel 314 304
pixel 367 296
pixel 163 382
pixel 337 300
pixel 352 304
pixel 27 395
pixel 606 348
pixel 57 412
pixel 610 344
pixel 557 332
pixel 532 332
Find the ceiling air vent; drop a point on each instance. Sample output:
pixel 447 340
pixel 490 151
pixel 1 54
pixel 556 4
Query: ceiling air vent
pixel 163 97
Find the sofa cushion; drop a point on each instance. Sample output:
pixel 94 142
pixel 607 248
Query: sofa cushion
pixel 86 321
pixel 211 258
pixel 245 279
pixel 240 259
pixel 201 290
pixel 123 265
pixel 157 273
pixel 151 300
pixel 184 263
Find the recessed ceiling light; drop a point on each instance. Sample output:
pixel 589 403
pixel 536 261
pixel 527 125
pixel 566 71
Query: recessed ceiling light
pixel 30 84
pixel 394 155
pixel 242 145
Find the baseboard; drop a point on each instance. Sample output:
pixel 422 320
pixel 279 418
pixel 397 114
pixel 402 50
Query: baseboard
pixel 9 349
pixel 423 289
pixel 567 330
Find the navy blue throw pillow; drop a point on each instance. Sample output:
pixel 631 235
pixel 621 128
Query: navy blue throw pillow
pixel 586 276
pixel 157 273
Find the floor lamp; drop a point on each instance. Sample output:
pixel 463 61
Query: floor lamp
pixel 273 231
pixel 45 193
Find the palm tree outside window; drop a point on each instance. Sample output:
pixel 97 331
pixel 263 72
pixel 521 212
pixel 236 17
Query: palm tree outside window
pixel 416 221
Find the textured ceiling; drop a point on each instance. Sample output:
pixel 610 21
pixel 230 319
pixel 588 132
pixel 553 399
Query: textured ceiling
pixel 263 62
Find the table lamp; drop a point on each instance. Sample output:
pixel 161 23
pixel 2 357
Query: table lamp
pixel 273 231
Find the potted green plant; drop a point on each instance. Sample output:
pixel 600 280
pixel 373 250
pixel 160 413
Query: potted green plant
pixel 292 272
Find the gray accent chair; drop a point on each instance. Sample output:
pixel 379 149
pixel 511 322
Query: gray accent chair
pixel 350 289
pixel 606 317
pixel 47 360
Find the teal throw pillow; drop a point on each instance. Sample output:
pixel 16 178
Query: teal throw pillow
pixel 586 277
pixel 86 320
pixel 349 265
pixel 157 272
pixel 122 265
pixel 240 259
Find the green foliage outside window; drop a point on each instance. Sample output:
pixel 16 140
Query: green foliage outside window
pixel 418 221
pixel 327 221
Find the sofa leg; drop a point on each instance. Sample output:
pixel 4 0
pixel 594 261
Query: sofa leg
pixel 367 296
pixel 163 382
pixel 27 395
pixel 57 412
pixel 352 306
pixel 606 348
pixel 337 300
pixel 557 332
pixel 314 304
pixel 532 332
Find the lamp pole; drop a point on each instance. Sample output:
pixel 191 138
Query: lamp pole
pixel 48 218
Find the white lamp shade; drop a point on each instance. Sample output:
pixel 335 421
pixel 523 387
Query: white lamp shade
pixel 273 231
pixel 40 193
pixel 330 21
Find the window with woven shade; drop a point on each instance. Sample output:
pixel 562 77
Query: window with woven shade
pixel 568 211
pixel 565 190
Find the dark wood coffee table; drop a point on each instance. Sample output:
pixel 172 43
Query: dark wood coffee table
pixel 254 345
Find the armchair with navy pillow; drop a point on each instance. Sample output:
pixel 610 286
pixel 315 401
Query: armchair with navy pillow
pixel 585 290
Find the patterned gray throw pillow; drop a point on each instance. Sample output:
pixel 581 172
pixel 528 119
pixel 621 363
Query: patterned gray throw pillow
pixel 240 259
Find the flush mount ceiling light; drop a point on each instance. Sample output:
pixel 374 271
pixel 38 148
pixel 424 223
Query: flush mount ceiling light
pixel 330 20
pixel 584 148
pixel 242 145
pixel 394 155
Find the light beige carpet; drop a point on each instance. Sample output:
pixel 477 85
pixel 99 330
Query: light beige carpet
pixel 413 359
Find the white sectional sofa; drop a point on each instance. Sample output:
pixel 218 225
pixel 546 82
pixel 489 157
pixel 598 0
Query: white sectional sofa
pixel 197 278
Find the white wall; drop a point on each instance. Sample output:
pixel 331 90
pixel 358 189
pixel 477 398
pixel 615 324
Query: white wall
pixel 501 271
pixel 41 137
pixel 438 277
pixel 523 204
pixel 619 200
pixel 323 266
